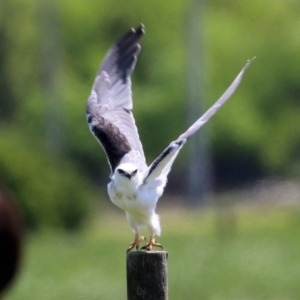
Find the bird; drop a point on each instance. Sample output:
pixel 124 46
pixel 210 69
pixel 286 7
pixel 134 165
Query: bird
pixel 135 187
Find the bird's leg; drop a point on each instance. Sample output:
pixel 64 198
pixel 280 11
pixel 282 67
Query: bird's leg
pixel 136 241
pixel 151 243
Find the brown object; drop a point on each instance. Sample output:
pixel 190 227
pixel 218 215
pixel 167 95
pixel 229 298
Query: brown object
pixel 10 240
pixel 147 275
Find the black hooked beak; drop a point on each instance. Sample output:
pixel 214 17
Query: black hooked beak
pixel 122 172
pixel 130 175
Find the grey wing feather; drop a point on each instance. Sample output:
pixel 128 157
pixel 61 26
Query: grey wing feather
pixel 161 166
pixel 227 94
pixel 110 103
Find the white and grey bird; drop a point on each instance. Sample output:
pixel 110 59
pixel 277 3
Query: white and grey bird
pixel 134 187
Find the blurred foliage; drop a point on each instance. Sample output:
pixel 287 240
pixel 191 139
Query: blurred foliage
pixel 255 134
pixel 50 192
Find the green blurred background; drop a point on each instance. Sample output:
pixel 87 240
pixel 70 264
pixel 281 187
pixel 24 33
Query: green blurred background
pixel 243 243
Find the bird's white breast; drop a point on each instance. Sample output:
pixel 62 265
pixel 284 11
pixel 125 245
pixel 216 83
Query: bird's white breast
pixel 139 200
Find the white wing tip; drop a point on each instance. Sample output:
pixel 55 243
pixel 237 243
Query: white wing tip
pixel 249 61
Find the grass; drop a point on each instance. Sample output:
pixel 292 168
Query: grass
pixel 238 253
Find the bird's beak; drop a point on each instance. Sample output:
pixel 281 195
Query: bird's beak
pixel 128 176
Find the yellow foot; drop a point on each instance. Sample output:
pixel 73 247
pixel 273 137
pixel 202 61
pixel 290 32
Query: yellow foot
pixel 136 242
pixel 150 244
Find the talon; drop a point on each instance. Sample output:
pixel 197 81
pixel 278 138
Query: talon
pixel 152 243
pixel 135 243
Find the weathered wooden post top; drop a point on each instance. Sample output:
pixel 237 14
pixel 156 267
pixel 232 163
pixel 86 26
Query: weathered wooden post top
pixel 147 275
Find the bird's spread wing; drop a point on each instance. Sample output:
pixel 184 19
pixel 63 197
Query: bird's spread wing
pixel 161 166
pixel 109 105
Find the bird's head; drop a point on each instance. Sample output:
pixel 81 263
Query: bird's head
pixel 126 171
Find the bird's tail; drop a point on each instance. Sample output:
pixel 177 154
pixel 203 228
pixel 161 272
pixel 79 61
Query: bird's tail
pixel 155 224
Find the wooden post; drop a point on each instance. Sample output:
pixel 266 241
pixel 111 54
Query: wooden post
pixel 147 276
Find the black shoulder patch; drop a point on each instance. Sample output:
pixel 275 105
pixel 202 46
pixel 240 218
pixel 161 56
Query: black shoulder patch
pixel 112 140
